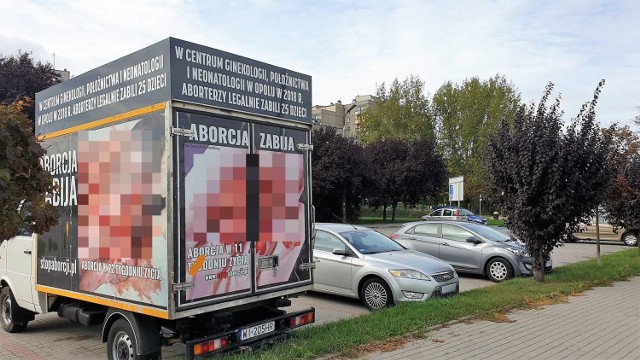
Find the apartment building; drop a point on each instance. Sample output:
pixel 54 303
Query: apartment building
pixel 345 118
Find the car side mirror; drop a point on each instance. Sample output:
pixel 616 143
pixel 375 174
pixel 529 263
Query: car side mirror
pixel 474 240
pixel 338 251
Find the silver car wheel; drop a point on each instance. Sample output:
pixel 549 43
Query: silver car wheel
pixel 630 239
pixel 375 295
pixel 498 270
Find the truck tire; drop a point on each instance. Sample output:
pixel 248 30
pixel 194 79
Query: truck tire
pixel 8 311
pixel 121 343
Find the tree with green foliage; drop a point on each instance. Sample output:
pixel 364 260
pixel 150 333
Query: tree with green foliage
pixel 24 184
pixel 425 171
pixel 386 164
pixel 338 175
pixel 547 180
pixel 21 76
pixel 622 200
pixel 467 115
pixel 398 113
pixel 401 172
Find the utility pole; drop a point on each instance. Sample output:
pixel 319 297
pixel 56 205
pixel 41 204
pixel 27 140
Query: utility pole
pixel 344 186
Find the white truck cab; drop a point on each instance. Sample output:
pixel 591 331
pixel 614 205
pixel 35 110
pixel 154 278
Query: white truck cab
pixel 17 281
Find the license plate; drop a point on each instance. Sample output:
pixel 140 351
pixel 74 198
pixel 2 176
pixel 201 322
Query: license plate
pixel 256 330
pixel 448 288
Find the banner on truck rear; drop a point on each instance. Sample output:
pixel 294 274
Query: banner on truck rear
pixel 243 200
pixel 111 236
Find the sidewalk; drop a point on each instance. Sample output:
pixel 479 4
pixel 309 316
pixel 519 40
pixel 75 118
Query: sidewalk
pixel 604 323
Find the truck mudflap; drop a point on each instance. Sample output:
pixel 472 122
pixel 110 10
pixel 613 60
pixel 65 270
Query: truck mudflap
pixel 254 335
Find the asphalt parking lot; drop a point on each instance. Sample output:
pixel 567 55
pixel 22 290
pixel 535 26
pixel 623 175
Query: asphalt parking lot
pixel 50 337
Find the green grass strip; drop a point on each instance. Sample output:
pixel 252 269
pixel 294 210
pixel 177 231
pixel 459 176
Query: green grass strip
pixel 416 317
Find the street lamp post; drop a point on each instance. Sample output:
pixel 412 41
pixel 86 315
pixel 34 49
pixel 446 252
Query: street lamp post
pixel 344 186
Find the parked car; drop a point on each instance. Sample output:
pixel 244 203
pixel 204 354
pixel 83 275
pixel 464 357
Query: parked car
pixel 454 213
pixel 588 232
pixel 469 247
pixel 358 262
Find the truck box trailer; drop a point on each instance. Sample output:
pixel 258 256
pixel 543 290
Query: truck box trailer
pixel 183 186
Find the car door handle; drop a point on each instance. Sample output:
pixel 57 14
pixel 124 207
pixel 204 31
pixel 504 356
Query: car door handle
pixel 28 252
pixel 445 244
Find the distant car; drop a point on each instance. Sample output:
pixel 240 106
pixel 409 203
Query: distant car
pixel 454 213
pixel 358 262
pixel 469 247
pixel 588 232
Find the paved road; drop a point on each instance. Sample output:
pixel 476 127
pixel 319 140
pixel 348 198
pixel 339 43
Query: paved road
pixel 52 338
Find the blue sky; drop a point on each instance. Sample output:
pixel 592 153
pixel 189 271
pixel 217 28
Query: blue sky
pixel 351 47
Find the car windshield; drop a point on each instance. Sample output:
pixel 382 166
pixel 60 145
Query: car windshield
pixel 370 242
pixel 488 233
pixel 464 212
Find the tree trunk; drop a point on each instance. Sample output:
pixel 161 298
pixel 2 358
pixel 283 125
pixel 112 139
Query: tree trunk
pixel 538 266
pixel 384 212
pixel 344 204
pixel 393 211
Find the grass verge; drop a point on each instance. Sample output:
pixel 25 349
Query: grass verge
pixel 492 303
pixel 493 222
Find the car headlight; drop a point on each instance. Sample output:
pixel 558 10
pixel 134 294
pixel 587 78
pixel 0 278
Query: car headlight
pixel 519 252
pixel 409 274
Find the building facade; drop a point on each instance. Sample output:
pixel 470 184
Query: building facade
pixel 345 118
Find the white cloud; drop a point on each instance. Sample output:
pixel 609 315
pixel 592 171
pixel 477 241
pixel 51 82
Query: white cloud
pixel 350 47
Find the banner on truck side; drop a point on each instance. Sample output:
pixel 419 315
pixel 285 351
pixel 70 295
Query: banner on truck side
pixel 111 236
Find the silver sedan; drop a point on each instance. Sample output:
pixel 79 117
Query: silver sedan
pixel 358 262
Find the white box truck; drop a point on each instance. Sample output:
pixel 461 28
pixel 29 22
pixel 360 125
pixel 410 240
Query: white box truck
pixel 183 186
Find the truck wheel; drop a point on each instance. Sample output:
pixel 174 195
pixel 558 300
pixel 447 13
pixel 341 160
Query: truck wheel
pixel 630 239
pixel 121 343
pixel 499 270
pixel 8 310
pixel 375 294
